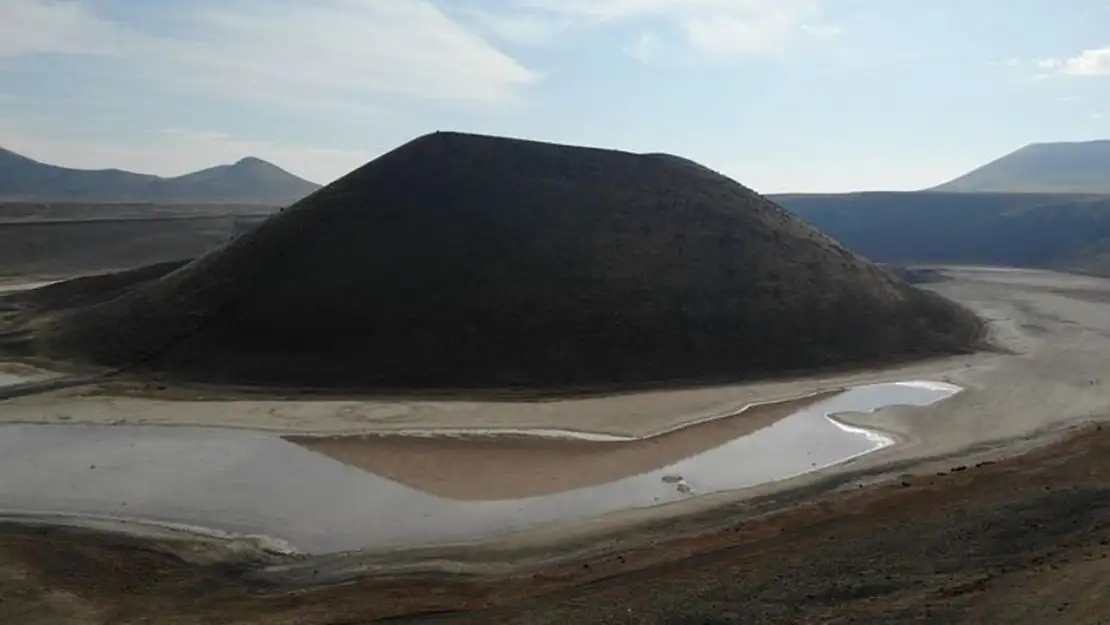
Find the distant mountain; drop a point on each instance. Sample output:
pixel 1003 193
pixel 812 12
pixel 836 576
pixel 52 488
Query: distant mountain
pixel 250 180
pixel 1082 167
pixel 1058 231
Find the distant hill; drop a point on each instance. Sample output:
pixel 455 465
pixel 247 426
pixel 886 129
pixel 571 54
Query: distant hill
pixel 249 180
pixel 471 262
pixel 1059 231
pixel 1082 167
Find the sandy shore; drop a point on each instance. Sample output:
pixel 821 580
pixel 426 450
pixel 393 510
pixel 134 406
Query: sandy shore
pixel 25 371
pixel 624 416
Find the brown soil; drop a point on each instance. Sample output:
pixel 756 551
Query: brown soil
pixel 1024 540
pixel 506 467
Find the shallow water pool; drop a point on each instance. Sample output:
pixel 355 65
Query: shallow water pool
pixel 257 483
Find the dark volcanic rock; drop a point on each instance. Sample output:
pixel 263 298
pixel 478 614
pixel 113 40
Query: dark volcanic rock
pixel 461 261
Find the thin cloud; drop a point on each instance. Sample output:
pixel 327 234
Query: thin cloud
pixel 727 35
pixel 720 28
pixel 646 48
pixel 823 30
pixel 53 27
pixel 1093 62
pixel 332 51
pixel 522 28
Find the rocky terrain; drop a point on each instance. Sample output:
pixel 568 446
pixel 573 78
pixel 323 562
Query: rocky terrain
pixel 463 261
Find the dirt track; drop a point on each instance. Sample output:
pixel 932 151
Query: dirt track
pixel 1019 541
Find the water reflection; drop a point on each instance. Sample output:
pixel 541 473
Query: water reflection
pixel 257 483
pixel 11 379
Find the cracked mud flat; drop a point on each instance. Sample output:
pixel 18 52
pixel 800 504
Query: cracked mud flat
pixel 1017 541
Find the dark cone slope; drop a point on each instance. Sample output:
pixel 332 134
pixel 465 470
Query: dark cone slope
pixel 461 261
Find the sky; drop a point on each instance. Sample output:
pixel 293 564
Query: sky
pixel 782 95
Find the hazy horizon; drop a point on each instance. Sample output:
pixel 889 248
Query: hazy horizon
pixel 784 96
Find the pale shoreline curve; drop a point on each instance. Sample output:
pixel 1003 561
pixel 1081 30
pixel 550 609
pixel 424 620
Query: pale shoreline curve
pixel 140 527
pixel 254 485
pixel 25 286
pixel 561 434
pixel 601 437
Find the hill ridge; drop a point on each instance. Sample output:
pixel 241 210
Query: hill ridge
pixel 466 261
pixel 250 179
pixel 1050 167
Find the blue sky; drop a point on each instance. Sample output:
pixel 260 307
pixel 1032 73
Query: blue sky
pixel 783 95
